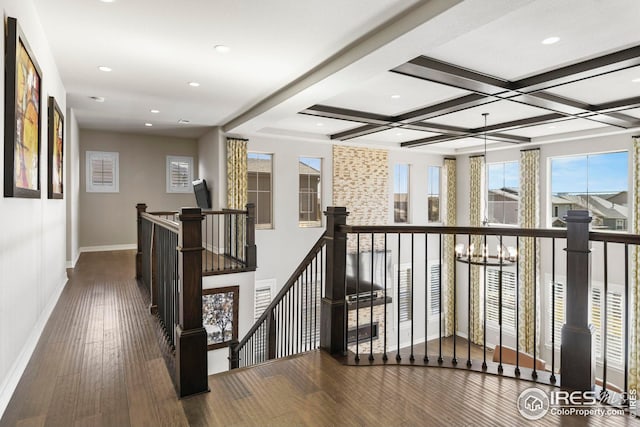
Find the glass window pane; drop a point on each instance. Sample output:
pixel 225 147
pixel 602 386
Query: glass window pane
pixel 264 213
pixel 309 178
pixel 401 193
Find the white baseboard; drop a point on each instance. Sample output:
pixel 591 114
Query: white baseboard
pixel 17 369
pixel 106 248
pixel 72 264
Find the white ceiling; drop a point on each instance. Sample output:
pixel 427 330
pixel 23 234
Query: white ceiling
pixel 288 55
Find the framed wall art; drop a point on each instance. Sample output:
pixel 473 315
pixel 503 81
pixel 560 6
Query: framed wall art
pixel 55 150
pixel 220 315
pixel 23 88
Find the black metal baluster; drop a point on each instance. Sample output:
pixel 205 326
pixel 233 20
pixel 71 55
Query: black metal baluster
pixel 469 333
pixel 384 350
pixel 306 307
pixel 357 297
pixel 500 260
pixel 517 370
pixel 603 316
pixel 373 245
pixel 552 378
pixel 427 288
pixel 454 360
pixel 411 356
pixel 484 305
pixel 398 357
pixel 626 325
pixel 534 374
pixel 440 359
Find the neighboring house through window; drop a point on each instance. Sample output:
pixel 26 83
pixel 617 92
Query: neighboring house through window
pixel 259 185
pixel 503 188
pixel 598 183
pixel 433 194
pixel 309 195
pixel 401 193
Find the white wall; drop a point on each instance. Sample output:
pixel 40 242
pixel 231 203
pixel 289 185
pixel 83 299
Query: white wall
pixel 72 187
pixel 212 166
pixel 33 239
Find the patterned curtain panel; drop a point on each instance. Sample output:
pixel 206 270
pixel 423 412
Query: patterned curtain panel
pixel 476 168
pixel 236 173
pixel 634 292
pixel 449 220
pixel 528 217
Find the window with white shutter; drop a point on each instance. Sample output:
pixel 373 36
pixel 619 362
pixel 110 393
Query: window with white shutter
pixel 508 298
pixel 262 296
pixel 434 289
pixel 179 174
pixel 403 290
pixel 102 172
pixel 614 316
pixel 559 312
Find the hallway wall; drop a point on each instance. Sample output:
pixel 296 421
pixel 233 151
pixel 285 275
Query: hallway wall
pixel 33 238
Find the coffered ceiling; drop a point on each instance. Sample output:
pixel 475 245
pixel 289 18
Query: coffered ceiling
pixel 412 74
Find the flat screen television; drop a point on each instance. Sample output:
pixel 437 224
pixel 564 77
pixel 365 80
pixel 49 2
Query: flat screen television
pixel 203 197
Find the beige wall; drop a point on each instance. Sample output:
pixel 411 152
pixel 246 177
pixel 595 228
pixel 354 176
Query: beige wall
pixel 109 218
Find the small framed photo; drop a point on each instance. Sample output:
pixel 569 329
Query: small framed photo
pixel 23 116
pixel 220 315
pixel 56 150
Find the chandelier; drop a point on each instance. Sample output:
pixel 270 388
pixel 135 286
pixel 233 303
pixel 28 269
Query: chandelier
pixel 481 256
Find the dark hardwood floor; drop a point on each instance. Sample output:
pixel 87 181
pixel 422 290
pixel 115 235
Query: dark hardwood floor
pixel 98 363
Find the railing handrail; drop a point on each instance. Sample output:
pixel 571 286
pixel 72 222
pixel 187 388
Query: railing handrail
pixel 280 295
pixel 556 233
pixel 226 211
pixel 439 229
pixel 159 213
pixel 165 223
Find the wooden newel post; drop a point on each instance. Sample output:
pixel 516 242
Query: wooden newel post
pixel 140 207
pixel 333 309
pixel 578 363
pixel 234 355
pixel 191 337
pixel 250 248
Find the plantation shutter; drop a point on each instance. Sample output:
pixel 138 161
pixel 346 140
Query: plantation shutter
pixel 262 301
pixel 102 171
pixel 508 297
pixel 404 301
pixel 559 312
pixel 434 289
pixel 180 174
pixel 615 324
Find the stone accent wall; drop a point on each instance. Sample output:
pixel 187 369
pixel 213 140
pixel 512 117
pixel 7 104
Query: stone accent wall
pixel 364 317
pixel 361 184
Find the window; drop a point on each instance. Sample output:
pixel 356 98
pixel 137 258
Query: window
pixel 401 193
pixel 102 172
pixel 179 174
pixel 595 182
pixel 434 289
pixel 309 195
pixel 433 194
pixel 259 172
pixel 403 292
pixel 614 316
pixel 503 192
pixel 508 298
pixel 262 296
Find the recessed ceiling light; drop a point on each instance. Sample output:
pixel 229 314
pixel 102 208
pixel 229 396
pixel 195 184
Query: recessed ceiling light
pixel 395 96
pixel 107 1
pixel 319 124
pixel 636 80
pixel 399 134
pixel 97 98
pixel 184 121
pixel 148 124
pixel 105 69
pixel 222 48
pixel 551 40
pixel 154 111
pixel 194 84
